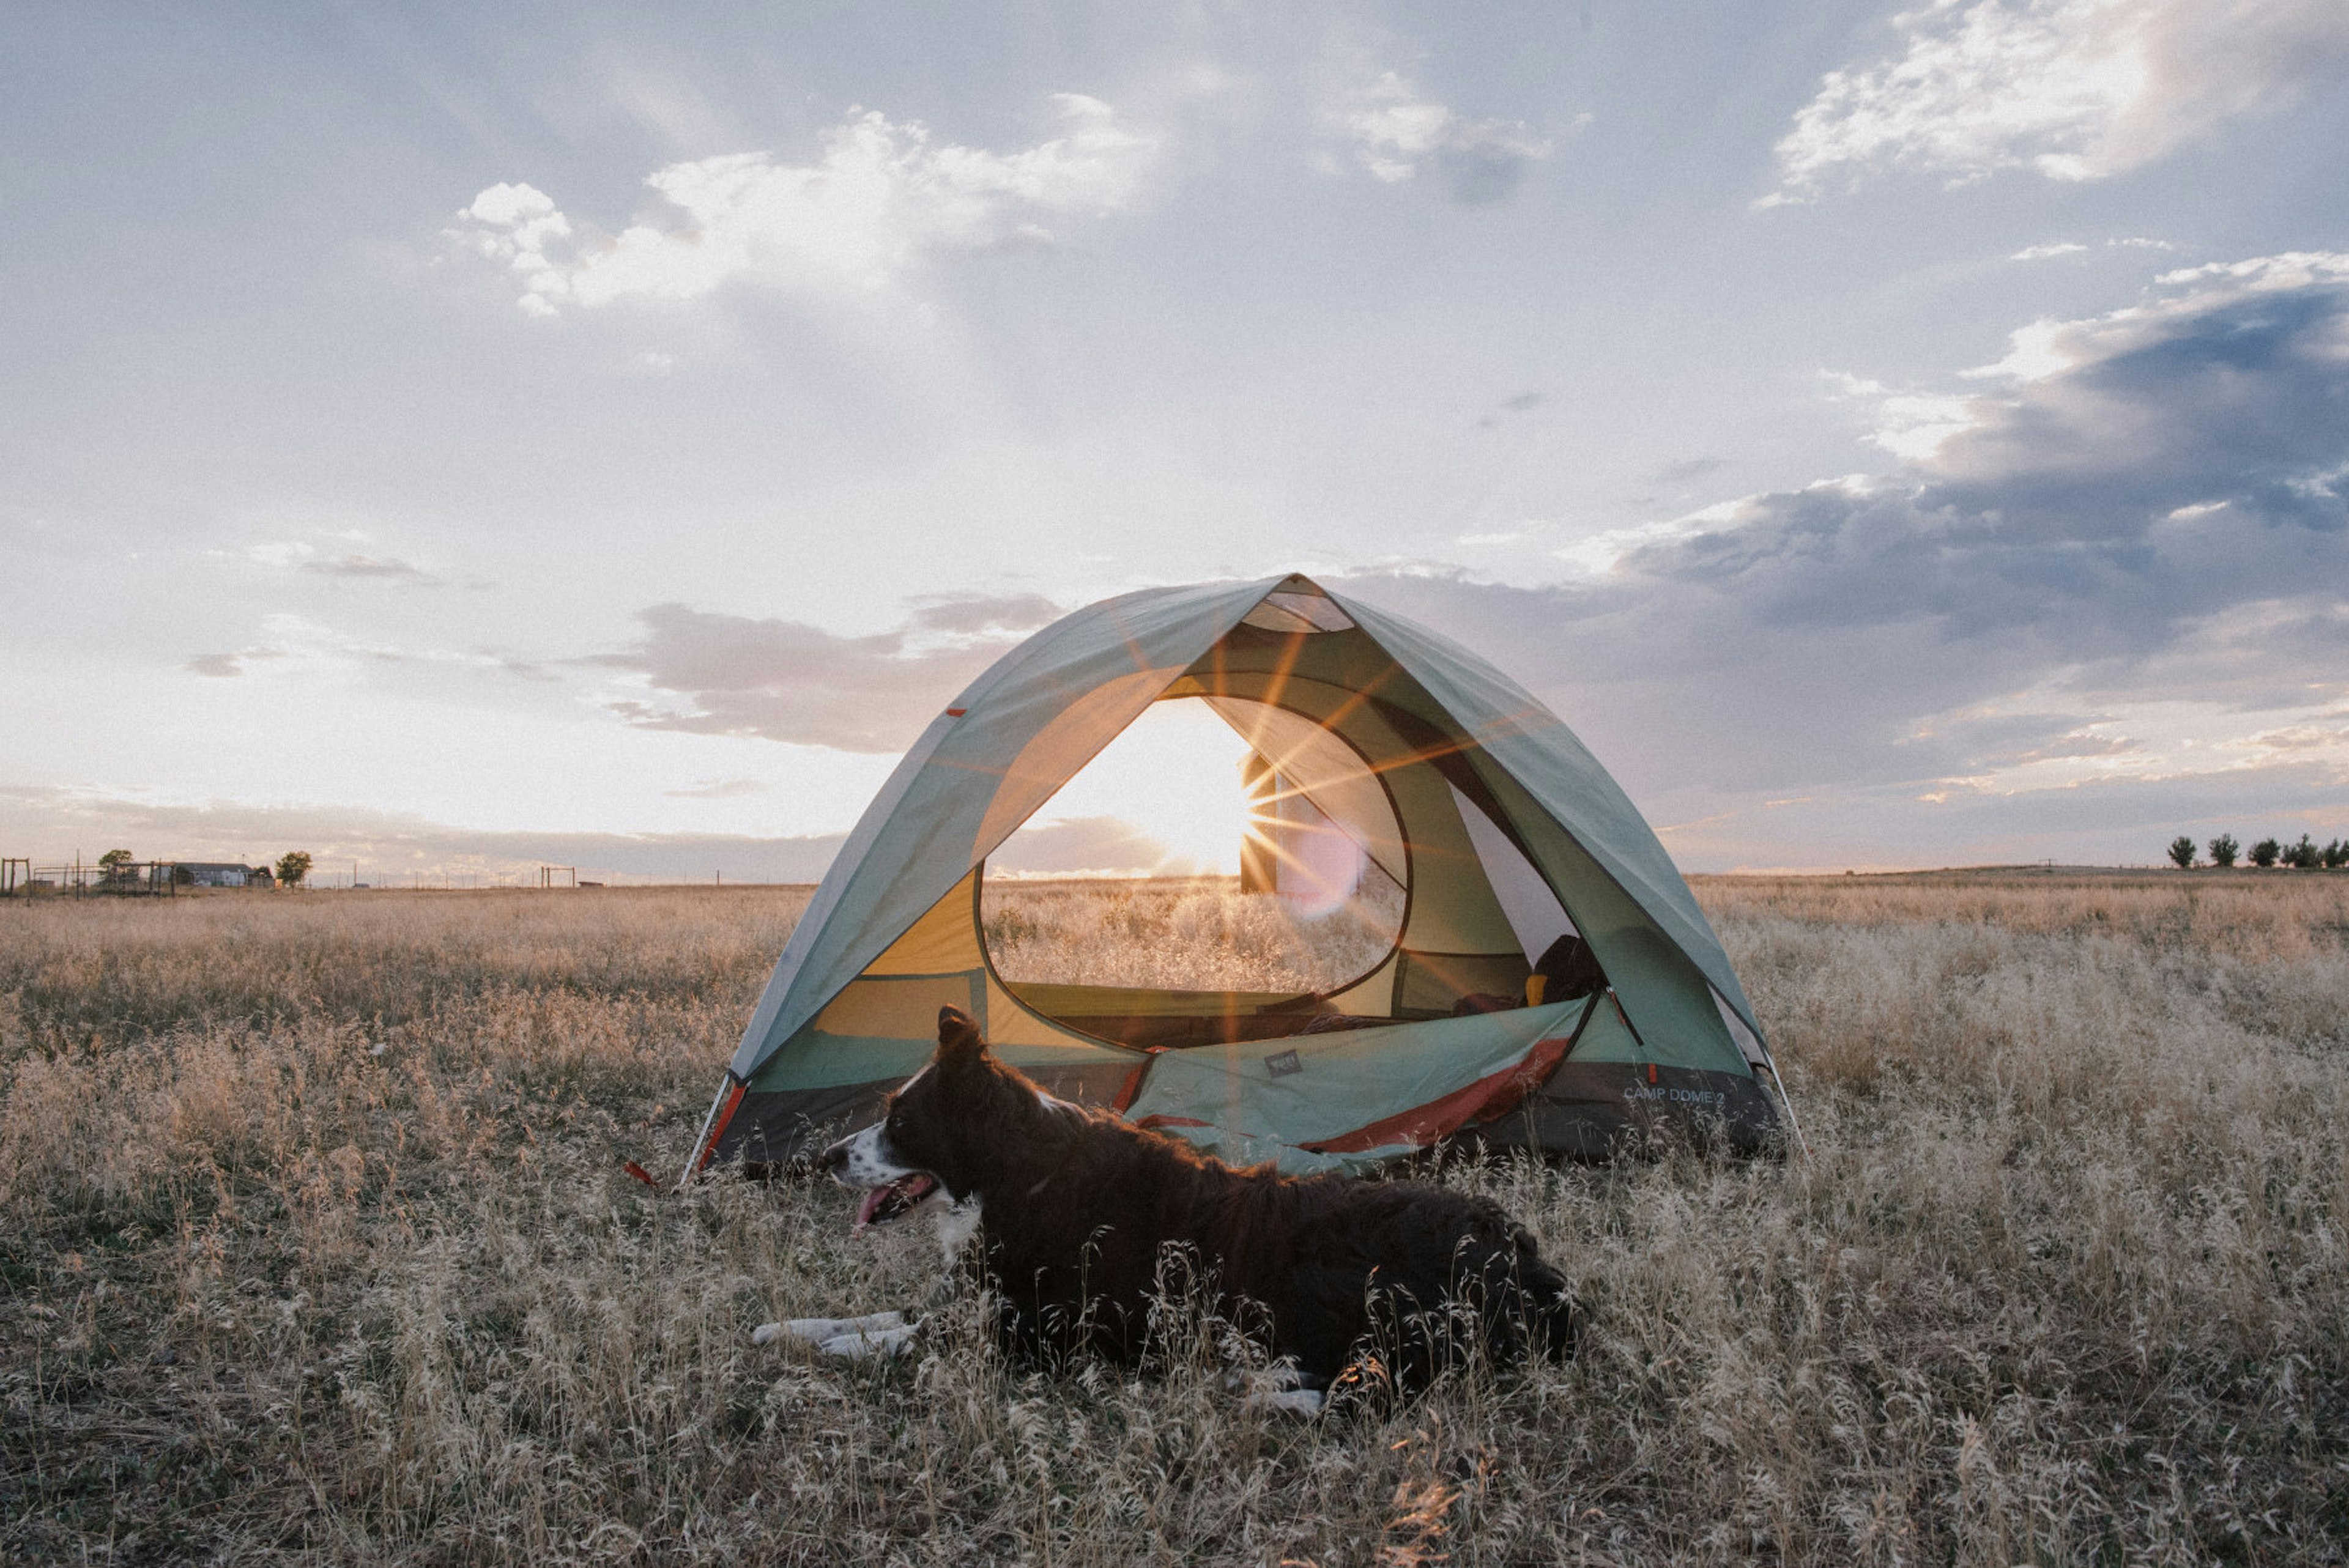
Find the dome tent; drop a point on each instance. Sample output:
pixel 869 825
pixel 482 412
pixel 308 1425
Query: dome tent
pixel 1502 830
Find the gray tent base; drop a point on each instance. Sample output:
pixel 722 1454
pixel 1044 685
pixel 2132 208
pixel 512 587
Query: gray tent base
pixel 1586 1112
pixel 1597 1111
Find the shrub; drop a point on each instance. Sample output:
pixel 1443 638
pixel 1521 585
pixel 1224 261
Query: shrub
pixel 2181 850
pixel 2265 852
pixel 2223 849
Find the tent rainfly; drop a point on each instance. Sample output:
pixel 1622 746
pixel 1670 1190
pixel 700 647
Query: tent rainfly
pixel 1504 834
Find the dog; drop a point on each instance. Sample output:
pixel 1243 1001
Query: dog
pixel 1353 1286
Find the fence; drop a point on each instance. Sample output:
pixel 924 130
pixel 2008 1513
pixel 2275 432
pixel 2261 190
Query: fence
pixel 122 878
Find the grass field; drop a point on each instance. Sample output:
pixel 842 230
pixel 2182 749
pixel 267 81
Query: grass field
pixel 317 1247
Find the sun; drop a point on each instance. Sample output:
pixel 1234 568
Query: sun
pixel 1173 776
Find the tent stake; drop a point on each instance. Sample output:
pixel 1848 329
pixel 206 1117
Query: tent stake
pixel 693 1155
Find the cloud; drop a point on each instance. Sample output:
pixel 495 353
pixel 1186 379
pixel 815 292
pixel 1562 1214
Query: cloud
pixel 1688 468
pixel 2074 248
pixel 391 847
pixel 718 790
pixel 981 615
pixel 2118 476
pixel 2075 90
pixel 1908 424
pixel 374 568
pixel 300 555
pixel 1522 403
pixel 882 202
pixel 1081 846
pixel 2121 574
pixel 784 680
pixel 222 666
pixel 1396 134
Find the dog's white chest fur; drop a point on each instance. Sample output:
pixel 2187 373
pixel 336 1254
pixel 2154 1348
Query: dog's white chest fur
pixel 958 1223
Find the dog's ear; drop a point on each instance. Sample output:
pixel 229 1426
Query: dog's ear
pixel 957 1035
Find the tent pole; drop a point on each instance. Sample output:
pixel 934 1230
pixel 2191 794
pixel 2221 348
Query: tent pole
pixel 1771 1061
pixel 693 1155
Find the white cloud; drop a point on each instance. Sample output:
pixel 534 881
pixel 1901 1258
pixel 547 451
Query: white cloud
pixel 1908 425
pixel 881 202
pixel 376 568
pixel 223 666
pixel 2074 248
pixel 718 790
pixel 2076 89
pixel 1397 133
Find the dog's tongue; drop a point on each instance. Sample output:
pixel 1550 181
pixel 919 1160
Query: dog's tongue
pixel 883 1204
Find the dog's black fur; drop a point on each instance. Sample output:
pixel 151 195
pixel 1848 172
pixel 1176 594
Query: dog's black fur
pixel 1388 1280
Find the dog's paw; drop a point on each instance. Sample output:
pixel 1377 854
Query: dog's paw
pixel 1279 1389
pixel 1305 1402
pixel 857 1345
pixel 821 1331
pixel 1279 1377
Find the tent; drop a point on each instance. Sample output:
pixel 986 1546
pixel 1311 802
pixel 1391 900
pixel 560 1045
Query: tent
pixel 1504 834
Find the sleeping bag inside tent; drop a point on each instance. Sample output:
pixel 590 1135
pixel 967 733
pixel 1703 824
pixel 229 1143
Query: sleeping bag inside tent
pixel 1552 984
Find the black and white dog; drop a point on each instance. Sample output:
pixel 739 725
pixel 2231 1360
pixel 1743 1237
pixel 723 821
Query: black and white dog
pixel 1077 1213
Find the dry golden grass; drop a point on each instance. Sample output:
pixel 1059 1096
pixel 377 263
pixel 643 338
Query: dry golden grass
pixel 1183 934
pixel 317 1248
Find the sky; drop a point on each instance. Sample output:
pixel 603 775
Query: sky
pixel 454 439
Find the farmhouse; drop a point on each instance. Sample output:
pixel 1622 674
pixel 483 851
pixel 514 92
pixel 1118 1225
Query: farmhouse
pixel 221 873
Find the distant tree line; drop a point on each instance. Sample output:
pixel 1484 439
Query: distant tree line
pixel 2307 855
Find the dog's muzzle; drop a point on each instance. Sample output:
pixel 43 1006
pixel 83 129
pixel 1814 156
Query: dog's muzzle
pixel 864 1161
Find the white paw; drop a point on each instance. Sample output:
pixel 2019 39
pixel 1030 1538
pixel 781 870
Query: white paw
pixel 1273 1379
pixel 1305 1402
pixel 860 1343
pixel 818 1331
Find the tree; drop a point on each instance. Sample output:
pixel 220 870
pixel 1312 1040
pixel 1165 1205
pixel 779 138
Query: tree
pixel 2181 850
pixel 293 866
pixel 2223 849
pixel 2265 852
pixel 2304 855
pixel 2336 854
